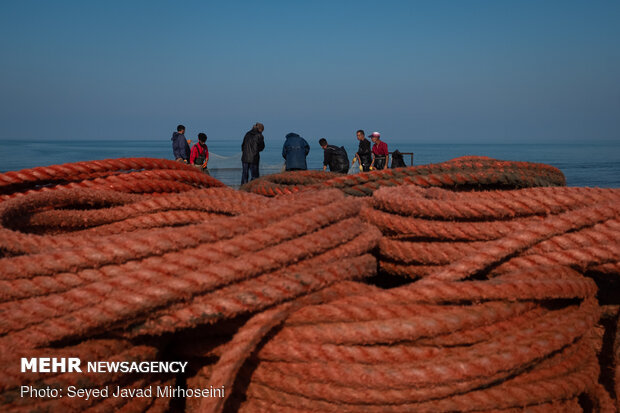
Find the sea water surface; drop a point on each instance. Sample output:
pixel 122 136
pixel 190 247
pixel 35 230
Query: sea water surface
pixel 592 165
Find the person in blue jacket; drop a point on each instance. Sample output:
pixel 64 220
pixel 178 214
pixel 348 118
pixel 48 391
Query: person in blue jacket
pixel 294 152
pixel 180 147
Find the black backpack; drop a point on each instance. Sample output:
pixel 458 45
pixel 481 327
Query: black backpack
pixel 397 160
pixel 340 160
pixel 342 154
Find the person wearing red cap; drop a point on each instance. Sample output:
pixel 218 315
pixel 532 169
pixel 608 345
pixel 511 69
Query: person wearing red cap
pixel 380 152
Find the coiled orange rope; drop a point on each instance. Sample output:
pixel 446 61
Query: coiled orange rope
pixel 461 173
pixel 428 229
pixel 277 299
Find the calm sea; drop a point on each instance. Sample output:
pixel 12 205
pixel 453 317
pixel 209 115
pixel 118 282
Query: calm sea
pixel 593 165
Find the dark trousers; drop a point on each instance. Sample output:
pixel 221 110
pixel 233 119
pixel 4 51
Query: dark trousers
pixel 380 162
pixel 248 167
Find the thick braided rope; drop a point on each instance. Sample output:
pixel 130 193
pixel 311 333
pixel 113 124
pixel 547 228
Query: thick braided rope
pixel 253 294
pixel 389 397
pixel 523 285
pixel 24 288
pixel 436 203
pixel 248 338
pixel 491 328
pixel 458 172
pixel 71 216
pixel 348 393
pixel 294 386
pixel 328 239
pixel 506 396
pixel 442 253
pixel 14 241
pixel 117 249
pixel 563 328
pixel 115 307
pixel 126 175
pixel 177 262
pixel 77 170
pixel 373 308
pixel 295 351
pixel 577 227
pixel 504 354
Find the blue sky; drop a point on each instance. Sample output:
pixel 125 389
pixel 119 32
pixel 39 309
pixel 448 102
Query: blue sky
pixel 425 71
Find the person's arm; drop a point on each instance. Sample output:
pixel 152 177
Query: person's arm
pixel 261 143
pixel 356 157
pixel 372 155
pixel 325 159
pixel 204 165
pixel 307 147
pixel 186 149
pixel 193 154
pixel 284 151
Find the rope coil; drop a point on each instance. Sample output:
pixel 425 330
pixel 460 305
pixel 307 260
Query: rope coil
pixel 460 173
pixel 278 300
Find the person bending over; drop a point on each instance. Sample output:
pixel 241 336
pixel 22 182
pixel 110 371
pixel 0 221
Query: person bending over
pixel 294 152
pixel 334 157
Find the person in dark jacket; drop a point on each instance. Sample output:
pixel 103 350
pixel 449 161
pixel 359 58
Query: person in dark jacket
pixel 294 152
pixel 253 144
pixel 334 157
pixel 180 147
pixel 363 154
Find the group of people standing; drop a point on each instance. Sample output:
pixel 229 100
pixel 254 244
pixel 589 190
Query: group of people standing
pixel 294 152
pixel 198 156
pixel 371 158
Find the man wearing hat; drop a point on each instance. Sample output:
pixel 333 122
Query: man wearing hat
pixel 379 152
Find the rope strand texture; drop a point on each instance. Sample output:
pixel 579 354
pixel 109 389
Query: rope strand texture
pixel 134 175
pixel 437 233
pixel 488 298
pixel 146 259
pixel 476 172
pixel 411 376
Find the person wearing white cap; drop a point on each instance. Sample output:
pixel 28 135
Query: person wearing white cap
pixel 380 152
